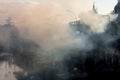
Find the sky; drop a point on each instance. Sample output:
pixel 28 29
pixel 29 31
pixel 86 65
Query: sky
pixel 105 6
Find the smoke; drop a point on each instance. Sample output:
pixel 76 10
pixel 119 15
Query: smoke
pixel 49 30
pixel 97 23
pixel 46 24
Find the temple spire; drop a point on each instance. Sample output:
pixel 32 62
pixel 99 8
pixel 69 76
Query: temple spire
pixel 94 8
